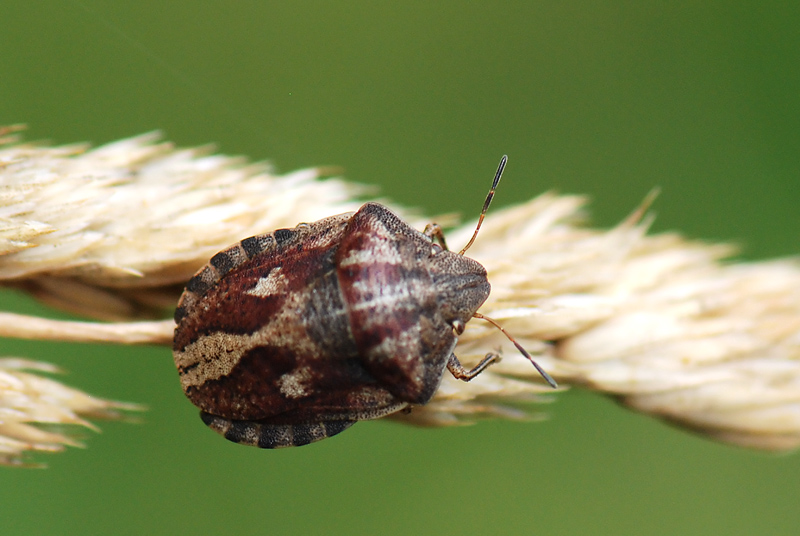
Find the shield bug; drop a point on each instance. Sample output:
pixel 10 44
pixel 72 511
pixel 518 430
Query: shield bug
pixel 290 337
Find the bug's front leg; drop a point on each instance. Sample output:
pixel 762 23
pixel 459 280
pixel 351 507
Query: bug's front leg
pixel 432 230
pixel 460 373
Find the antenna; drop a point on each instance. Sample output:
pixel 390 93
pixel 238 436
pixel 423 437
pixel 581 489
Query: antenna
pixel 522 350
pixel 486 204
pixel 488 201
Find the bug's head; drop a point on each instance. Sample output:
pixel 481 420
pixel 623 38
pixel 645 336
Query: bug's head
pixel 461 286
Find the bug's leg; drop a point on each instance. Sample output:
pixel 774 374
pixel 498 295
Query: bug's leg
pixel 460 373
pixel 273 436
pixel 432 230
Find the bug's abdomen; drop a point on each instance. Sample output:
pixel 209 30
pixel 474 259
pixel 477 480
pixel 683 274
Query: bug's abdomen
pixel 282 319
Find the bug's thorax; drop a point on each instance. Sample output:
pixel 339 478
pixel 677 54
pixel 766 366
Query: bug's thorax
pixel 382 260
pixel 404 297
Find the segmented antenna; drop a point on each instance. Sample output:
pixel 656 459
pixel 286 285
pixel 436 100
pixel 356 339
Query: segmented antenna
pixel 487 202
pixel 522 350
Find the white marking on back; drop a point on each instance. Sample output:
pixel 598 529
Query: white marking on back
pixel 272 285
pixel 292 384
pixel 378 251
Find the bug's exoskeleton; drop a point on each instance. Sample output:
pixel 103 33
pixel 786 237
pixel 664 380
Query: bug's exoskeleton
pixel 291 337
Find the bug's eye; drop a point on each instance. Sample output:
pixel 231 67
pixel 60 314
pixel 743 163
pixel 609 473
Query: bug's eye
pixel 435 249
pixel 458 327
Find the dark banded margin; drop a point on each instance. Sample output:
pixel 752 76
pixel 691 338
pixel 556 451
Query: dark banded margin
pixel 244 251
pixel 282 236
pixel 219 266
pixel 202 280
pixel 273 436
pixel 248 249
pixel 256 245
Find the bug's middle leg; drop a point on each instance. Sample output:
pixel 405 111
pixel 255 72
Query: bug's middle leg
pixel 460 373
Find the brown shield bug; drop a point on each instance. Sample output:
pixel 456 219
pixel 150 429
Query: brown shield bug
pixel 290 337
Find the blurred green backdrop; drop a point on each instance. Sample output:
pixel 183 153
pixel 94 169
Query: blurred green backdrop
pixel 421 98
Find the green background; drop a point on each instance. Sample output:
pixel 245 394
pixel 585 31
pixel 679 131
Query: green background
pixel 604 98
